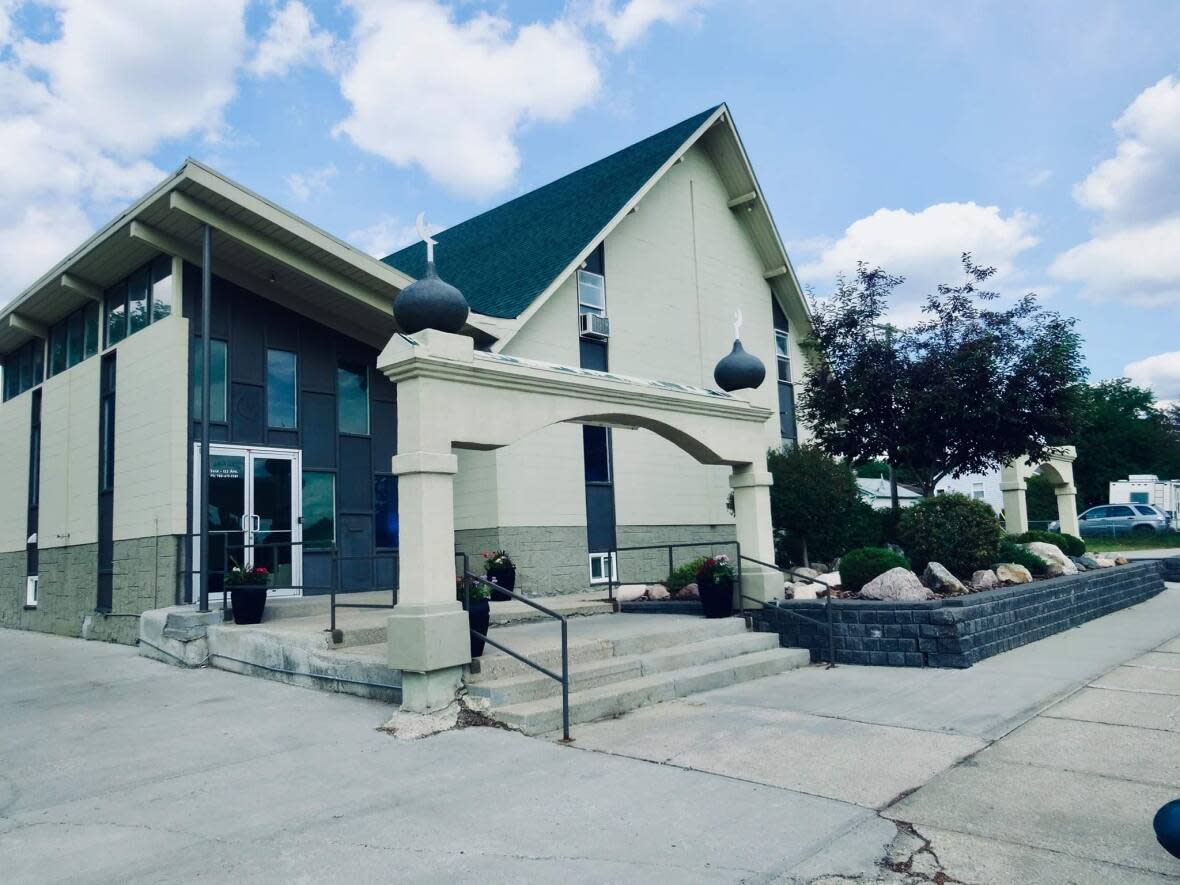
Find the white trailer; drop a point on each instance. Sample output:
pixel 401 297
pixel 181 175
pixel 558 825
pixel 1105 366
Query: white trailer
pixel 1147 488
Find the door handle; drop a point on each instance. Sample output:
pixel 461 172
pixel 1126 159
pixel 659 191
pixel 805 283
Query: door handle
pixel 242 522
pixel 257 522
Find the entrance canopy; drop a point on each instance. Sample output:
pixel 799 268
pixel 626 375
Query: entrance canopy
pixel 1058 469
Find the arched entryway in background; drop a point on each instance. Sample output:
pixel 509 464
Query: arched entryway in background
pixel 452 397
pixel 1058 469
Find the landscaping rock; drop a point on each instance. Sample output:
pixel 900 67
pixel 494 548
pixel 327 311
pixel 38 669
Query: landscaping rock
pixel 898 584
pixel 657 591
pixel 820 567
pixel 630 592
pixel 984 579
pixel 688 591
pixel 1121 560
pixel 832 579
pixel 1012 573
pixel 1091 562
pixel 1104 562
pixel 1059 563
pixel 1080 563
pixel 804 572
pixel 804 590
pixel 939 579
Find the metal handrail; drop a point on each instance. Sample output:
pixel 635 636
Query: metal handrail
pixel 564 678
pixel 827 604
pixel 615 551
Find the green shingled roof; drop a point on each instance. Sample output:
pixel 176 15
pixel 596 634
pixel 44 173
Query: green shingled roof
pixel 505 258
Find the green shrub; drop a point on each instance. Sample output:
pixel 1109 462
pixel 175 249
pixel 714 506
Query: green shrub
pixel 867 526
pixel 961 533
pixel 1067 544
pixel 858 567
pixel 1012 551
pixel 683 575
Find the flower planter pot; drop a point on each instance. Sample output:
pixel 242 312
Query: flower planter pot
pixel 248 603
pixel 479 616
pixel 716 597
pixel 504 577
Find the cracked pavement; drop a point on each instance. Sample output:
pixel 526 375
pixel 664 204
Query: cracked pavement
pixel 1043 765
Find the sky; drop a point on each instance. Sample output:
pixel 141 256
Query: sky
pixel 1043 137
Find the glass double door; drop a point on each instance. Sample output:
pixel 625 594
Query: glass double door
pixel 254 513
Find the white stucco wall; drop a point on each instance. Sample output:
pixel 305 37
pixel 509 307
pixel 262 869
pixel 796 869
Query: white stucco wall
pixel 15 418
pixel 968 485
pixel 69 457
pixel 151 411
pixel 676 270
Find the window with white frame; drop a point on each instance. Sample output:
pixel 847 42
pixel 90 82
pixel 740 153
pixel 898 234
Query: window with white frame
pixel 591 293
pixel 977 491
pixel 602 568
pixel 31 591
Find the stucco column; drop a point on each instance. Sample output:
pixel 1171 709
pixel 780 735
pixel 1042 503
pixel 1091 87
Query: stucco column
pixel 751 504
pixel 1067 509
pixel 428 633
pixel 1015 506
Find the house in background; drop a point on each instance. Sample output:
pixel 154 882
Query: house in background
pixel 875 491
pixel 980 486
pixel 633 265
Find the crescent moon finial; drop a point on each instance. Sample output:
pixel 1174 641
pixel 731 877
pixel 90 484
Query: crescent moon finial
pixel 737 324
pixel 424 233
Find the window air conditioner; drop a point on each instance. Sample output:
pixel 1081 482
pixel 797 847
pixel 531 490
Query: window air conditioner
pixel 591 326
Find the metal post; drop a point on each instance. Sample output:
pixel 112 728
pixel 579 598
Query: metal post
pixel 565 684
pixel 206 311
pixel 670 560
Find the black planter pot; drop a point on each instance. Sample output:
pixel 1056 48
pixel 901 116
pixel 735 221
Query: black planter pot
pixel 248 603
pixel 506 578
pixel 716 597
pixel 479 616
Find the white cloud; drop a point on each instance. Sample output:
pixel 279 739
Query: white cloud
pixel 450 95
pixel 1133 253
pixel 1160 372
pixel 925 248
pixel 303 185
pixel 292 39
pixel 80 113
pixel 387 234
pixel 628 23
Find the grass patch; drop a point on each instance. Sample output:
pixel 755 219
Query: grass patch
pixel 1168 541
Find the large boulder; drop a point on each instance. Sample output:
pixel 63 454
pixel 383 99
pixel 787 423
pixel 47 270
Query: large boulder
pixel 1089 561
pixel 939 579
pixel 832 579
pixel 1013 573
pixel 804 590
pixel 896 585
pixel 1104 562
pixel 630 592
pixel 657 591
pixel 688 591
pixel 820 567
pixel 984 579
pixel 1058 562
pixel 804 572
pixel 1121 560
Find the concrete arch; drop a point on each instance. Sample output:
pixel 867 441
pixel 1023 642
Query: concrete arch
pixel 450 397
pixel 1058 469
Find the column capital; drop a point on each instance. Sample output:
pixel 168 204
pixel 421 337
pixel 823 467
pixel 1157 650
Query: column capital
pixel 425 462
pixel 1066 490
pixel 751 479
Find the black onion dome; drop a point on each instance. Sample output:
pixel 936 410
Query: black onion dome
pixel 739 370
pixel 430 303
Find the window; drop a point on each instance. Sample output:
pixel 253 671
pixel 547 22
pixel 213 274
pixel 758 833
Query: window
pixel 31 591
pixel 319 510
pixel 1120 511
pixel 90 330
pixel 57 349
pixel 977 491
pixel 352 398
pixel 281 389
pixel 161 287
pixel 217 375
pixel 1140 498
pixel 602 568
pixel 385 532
pixel 137 300
pixel 23 368
pixel 782 353
pixel 1146 511
pixel 782 359
pixel 116 304
pixel 73 339
pixel 591 293
pixel 596 453
pixel 106 429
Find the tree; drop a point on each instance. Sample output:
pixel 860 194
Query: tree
pixel 966 390
pixel 1123 431
pixel 811 502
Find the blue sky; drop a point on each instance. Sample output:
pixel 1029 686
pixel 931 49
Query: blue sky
pixel 1045 136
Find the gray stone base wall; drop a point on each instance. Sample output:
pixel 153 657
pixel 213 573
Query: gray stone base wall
pixel 552 560
pixel 961 631
pixel 146 576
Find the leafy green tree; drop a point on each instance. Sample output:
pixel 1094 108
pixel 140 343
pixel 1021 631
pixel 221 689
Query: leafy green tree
pixel 812 503
pixel 1041 499
pixel 1123 431
pixel 966 390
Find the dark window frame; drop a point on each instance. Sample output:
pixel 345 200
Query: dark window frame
pixel 294 405
pixel 350 366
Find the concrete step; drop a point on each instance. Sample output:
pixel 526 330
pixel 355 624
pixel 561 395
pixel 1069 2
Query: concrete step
pixel 605 701
pixel 595 638
pixel 591 674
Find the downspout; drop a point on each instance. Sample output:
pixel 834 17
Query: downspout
pixel 206 312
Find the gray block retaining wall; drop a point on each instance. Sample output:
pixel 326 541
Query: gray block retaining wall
pixel 959 631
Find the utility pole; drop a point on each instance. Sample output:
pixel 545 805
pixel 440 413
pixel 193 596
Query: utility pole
pixel 893 500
